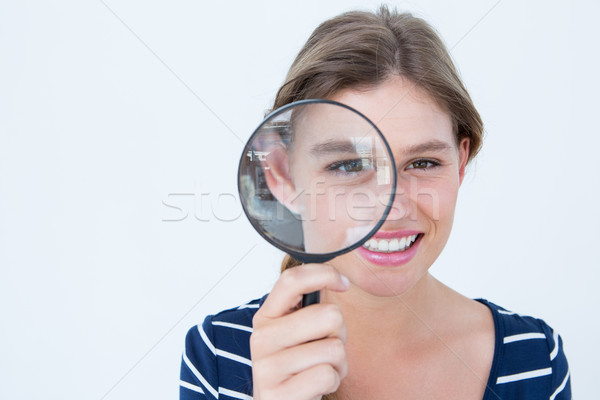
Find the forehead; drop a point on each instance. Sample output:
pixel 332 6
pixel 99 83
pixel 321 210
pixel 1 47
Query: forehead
pixel 405 113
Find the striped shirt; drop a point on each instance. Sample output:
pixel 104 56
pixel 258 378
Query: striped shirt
pixel 529 361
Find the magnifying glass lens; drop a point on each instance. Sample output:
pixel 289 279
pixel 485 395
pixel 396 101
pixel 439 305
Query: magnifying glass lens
pixel 316 179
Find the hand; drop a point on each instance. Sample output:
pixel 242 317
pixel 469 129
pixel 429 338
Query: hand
pixel 298 353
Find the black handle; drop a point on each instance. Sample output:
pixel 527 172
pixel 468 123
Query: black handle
pixel 311 298
pixel 314 297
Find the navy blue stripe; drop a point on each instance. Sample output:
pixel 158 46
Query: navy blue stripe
pixel 509 359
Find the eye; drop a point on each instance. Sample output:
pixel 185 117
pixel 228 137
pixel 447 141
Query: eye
pixel 423 164
pixel 350 166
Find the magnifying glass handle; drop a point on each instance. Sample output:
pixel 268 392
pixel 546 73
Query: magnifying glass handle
pixel 311 298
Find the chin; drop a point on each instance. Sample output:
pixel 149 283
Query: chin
pixel 381 281
pixel 389 285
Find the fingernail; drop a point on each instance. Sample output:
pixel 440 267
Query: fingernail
pixel 345 280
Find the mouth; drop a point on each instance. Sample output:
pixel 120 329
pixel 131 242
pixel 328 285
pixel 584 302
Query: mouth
pixel 389 249
pixel 381 245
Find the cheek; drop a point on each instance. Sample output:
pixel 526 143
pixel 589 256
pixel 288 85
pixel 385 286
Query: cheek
pixel 437 199
pixel 336 217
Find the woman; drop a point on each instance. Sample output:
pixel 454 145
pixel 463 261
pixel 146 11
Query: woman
pixel 385 327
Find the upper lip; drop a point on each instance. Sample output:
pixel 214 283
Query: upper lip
pixel 394 234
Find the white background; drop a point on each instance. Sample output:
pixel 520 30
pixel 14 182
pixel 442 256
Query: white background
pixel 105 115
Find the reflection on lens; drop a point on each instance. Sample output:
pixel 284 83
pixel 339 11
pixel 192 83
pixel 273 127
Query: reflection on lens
pixel 316 177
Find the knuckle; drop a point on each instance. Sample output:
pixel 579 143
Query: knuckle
pixel 334 275
pixel 328 378
pixel 257 339
pixel 260 368
pixel 331 309
pixel 336 350
pixel 333 316
pixel 289 277
pixel 343 333
pixel 344 370
pixel 257 319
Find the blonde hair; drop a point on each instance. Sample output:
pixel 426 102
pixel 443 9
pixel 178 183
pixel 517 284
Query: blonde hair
pixel 360 50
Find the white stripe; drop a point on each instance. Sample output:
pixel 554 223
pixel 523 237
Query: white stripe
pixel 200 377
pixel 188 385
pixel 233 394
pixel 206 339
pixel 524 375
pixel 561 387
pixel 249 306
pixel 505 312
pixel 234 357
pixel 555 350
pixel 524 336
pixel 234 326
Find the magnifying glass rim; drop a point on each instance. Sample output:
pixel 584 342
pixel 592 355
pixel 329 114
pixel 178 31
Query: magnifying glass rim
pixel 316 257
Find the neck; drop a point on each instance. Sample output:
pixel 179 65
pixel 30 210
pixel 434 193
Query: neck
pixel 396 319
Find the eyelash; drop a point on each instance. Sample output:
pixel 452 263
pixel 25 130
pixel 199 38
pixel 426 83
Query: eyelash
pixel 433 163
pixel 336 166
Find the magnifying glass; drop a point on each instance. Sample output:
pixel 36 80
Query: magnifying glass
pixel 316 180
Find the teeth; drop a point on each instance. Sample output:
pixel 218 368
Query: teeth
pixel 373 244
pixel 392 245
pixel 403 242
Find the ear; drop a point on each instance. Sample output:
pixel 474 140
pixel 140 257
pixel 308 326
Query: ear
pixel 463 156
pixel 276 166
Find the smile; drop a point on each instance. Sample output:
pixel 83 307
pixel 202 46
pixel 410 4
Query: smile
pixel 390 249
pixel 390 245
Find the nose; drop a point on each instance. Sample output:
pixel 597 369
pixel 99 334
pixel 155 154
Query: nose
pixel 403 206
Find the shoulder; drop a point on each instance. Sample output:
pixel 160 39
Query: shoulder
pixel 529 358
pixel 238 318
pixel 222 331
pixel 216 358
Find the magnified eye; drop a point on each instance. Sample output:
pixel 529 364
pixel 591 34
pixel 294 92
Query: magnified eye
pixel 350 166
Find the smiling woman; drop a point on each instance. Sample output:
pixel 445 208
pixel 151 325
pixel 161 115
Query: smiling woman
pixel 386 328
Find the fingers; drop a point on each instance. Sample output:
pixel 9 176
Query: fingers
pixel 283 365
pixel 307 324
pixel 295 282
pixel 310 384
pixel 299 353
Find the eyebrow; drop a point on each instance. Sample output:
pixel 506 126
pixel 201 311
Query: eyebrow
pixel 345 146
pixel 333 146
pixel 430 146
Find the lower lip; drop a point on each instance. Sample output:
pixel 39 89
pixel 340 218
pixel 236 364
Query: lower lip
pixel 390 259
